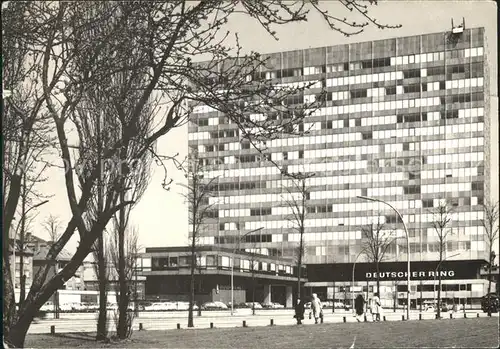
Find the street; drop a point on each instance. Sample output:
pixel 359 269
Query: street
pixel 169 320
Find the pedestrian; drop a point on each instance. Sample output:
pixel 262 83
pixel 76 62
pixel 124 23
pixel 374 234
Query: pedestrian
pixel 316 308
pixel 375 307
pixel 299 311
pixel 359 304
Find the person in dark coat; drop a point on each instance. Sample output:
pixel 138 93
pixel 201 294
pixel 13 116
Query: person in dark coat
pixel 299 312
pixel 359 305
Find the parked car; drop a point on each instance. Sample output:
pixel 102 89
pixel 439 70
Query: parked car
pixel 339 305
pixel 213 306
pixel 490 302
pixel 254 305
pixel 185 306
pixel 327 304
pixel 273 305
pixel 65 307
pixel 159 306
pixel 48 306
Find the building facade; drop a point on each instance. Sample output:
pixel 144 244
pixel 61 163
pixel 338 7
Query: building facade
pixel 218 272
pixel 406 120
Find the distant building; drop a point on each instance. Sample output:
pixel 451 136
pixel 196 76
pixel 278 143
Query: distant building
pixel 27 271
pixel 40 248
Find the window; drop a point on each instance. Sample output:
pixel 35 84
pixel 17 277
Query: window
pixel 202 122
pixel 359 93
pixel 412 73
pixel 427 203
pixel 391 90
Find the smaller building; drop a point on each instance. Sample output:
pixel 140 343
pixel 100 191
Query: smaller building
pixel 40 249
pixel 21 255
pixel 250 276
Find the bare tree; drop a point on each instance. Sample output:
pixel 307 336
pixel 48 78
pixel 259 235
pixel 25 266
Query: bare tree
pixel 131 249
pixel 297 198
pixel 52 225
pixel 81 46
pixel 377 241
pixel 442 218
pixel 490 224
pixel 198 192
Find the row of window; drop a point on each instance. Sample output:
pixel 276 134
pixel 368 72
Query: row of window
pixel 165 263
pixel 368 64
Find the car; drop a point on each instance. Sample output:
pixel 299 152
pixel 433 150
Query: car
pixel 185 306
pixel 254 305
pixel 490 302
pixel 327 304
pixel 214 306
pixel 48 306
pixel 159 306
pixel 65 307
pixel 339 305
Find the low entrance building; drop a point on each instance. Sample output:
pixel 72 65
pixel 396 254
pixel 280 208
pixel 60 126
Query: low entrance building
pixel 251 276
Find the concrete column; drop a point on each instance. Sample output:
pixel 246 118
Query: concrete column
pixel 267 294
pixel 289 297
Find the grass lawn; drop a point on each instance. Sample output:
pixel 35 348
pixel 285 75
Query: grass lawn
pixel 465 333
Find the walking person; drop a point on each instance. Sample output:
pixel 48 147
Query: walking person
pixel 359 305
pixel 299 311
pixel 316 308
pixel 375 307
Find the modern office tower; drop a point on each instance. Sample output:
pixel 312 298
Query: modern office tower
pixel 405 121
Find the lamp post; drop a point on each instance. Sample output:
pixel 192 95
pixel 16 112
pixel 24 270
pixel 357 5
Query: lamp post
pixel 407 249
pixel 352 285
pixel 232 266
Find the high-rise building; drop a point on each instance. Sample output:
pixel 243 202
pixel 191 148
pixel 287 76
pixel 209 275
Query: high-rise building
pixel 405 120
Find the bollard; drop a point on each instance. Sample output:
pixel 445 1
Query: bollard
pixel 344 319
pixel 365 318
pixel 52 329
pixel 402 318
pixel 211 325
pixel 451 315
pixel 178 326
pixel 465 315
pixel 477 314
pixel 420 316
pixel 244 323
pixel 272 322
pixel 437 317
pixel 384 317
pixel 140 326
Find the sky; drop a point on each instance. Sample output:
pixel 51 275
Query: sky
pixel 161 215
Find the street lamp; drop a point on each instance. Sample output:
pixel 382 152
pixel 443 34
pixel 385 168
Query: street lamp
pixel 232 266
pixel 407 249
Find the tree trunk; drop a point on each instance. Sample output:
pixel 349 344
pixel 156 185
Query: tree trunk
pixel 378 278
pixel 299 263
pixel 9 307
pixel 122 330
pixel 489 276
pixel 253 292
pixel 192 283
pixel 22 294
pixel 439 282
pixel 102 330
